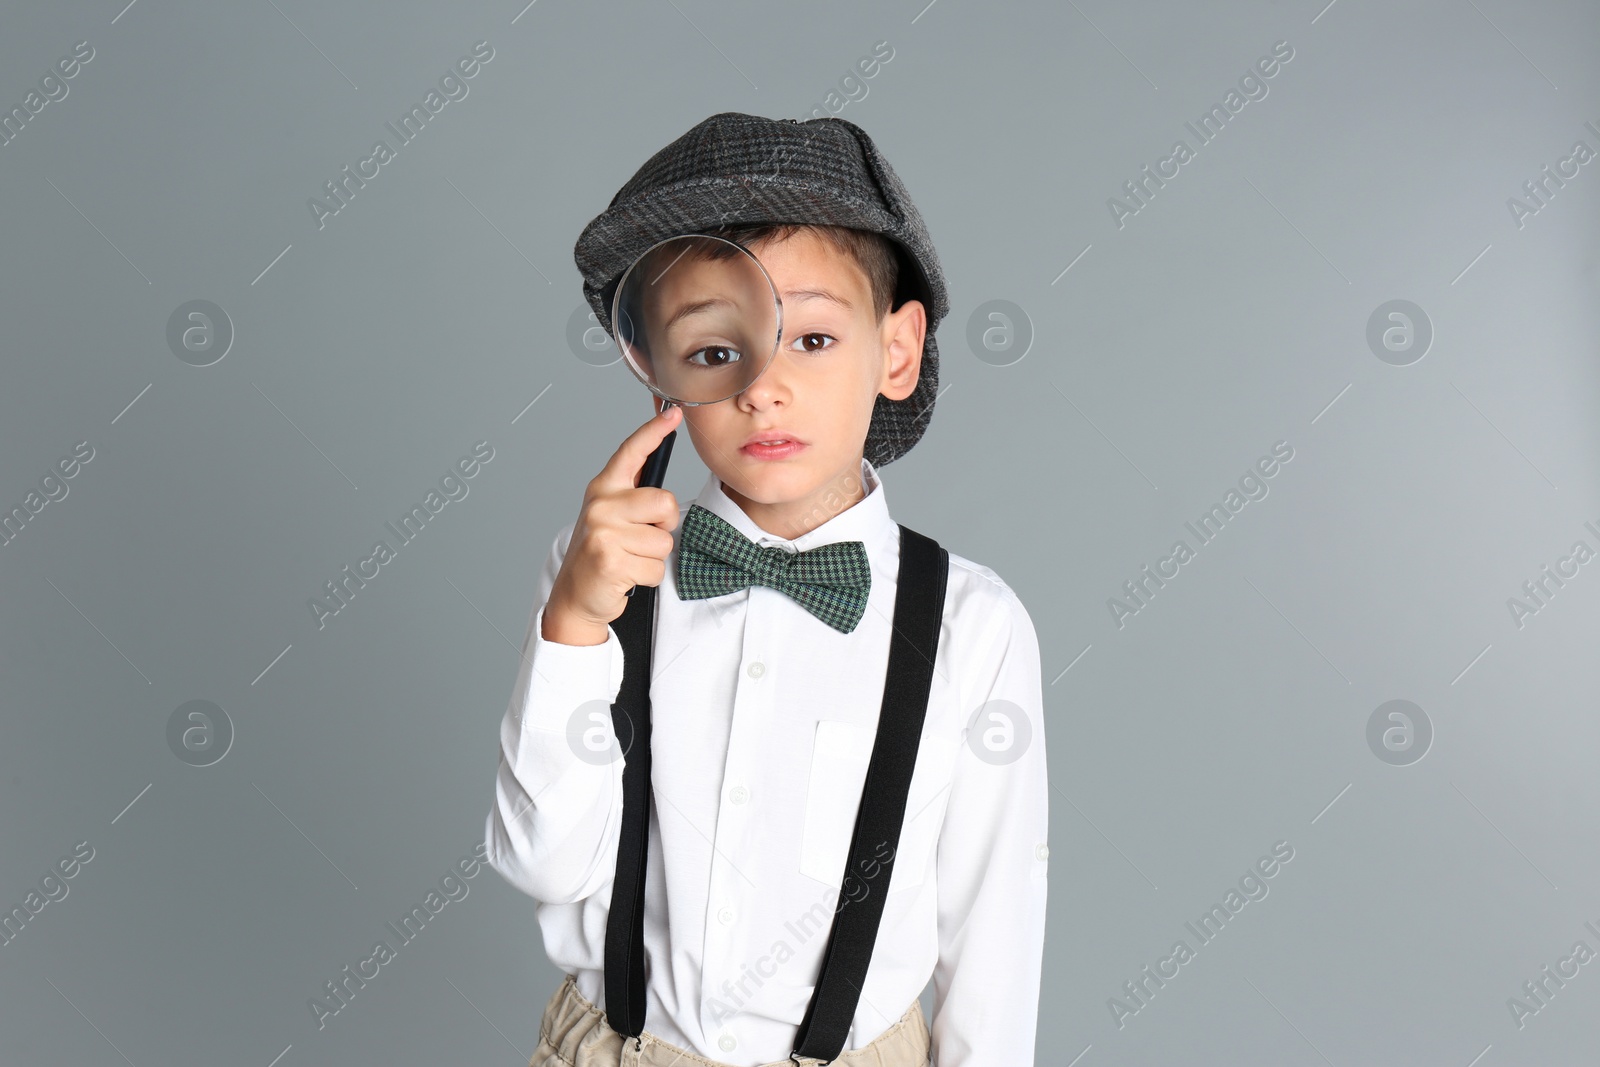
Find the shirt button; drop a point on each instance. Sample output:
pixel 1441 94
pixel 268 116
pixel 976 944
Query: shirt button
pixel 725 916
pixel 726 1043
pixel 739 794
pixel 756 669
pixel 1043 852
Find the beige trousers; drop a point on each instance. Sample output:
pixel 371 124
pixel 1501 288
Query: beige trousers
pixel 574 1033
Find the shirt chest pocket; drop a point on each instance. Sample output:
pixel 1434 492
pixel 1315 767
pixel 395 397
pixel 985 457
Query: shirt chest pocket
pixel 839 760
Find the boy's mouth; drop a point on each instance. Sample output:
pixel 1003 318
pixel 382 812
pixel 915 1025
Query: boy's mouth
pixel 771 444
pixel 773 436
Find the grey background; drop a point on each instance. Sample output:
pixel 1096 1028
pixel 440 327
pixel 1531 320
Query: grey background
pixel 1229 314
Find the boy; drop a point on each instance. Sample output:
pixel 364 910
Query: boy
pixel 764 706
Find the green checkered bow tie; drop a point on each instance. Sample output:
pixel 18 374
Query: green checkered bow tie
pixel 830 581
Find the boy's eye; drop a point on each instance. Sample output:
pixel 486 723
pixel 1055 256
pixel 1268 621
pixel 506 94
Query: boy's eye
pixel 814 342
pixel 716 356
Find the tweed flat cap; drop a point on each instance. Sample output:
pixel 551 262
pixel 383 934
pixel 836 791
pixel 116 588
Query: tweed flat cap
pixel 733 169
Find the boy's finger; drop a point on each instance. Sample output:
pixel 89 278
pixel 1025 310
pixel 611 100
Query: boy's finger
pixel 649 506
pixel 622 470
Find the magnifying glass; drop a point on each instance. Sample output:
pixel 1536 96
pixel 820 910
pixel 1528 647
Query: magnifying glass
pixel 698 320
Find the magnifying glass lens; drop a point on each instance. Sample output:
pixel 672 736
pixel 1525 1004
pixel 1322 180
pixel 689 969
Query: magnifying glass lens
pixel 697 319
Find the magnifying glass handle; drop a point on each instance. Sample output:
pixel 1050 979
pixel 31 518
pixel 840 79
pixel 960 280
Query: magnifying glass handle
pixel 654 471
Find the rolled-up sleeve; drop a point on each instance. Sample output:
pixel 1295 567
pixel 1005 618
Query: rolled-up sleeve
pixel 553 828
pixel 993 860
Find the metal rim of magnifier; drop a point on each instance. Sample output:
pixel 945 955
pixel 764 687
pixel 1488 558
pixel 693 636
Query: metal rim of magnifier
pixel 627 356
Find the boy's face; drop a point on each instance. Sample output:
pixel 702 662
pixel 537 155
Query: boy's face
pixel 833 360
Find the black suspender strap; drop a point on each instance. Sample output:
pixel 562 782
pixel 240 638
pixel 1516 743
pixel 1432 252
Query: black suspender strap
pixel 913 647
pixel 630 719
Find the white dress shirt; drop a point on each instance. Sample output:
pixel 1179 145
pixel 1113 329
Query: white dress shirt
pixel 763 719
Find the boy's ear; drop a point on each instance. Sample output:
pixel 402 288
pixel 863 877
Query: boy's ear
pixel 903 331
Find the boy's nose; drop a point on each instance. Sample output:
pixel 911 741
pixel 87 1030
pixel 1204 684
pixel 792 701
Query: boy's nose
pixel 771 385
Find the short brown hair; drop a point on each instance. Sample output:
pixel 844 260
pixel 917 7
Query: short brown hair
pixel 874 253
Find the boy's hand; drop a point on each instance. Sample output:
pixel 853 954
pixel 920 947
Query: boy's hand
pixel 622 539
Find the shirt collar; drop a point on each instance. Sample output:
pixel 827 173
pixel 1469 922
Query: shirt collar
pixel 867 521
